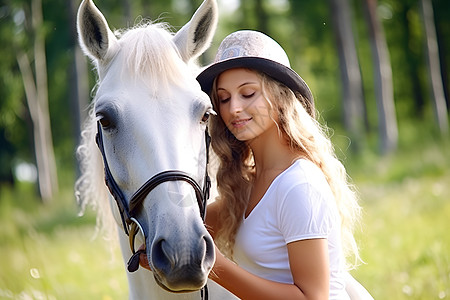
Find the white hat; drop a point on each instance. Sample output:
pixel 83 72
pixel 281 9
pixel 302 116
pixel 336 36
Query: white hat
pixel 257 51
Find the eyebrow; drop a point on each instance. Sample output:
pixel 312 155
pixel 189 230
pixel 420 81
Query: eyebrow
pixel 241 85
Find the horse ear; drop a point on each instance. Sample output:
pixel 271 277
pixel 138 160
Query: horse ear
pixel 95 37
pixel 196 36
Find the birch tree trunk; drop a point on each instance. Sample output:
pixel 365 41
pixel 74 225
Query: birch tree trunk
pixel 434 69
pixel 383 85
pixel 352 89
pixel 36 91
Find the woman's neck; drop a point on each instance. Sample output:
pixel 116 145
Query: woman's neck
pixel 272 153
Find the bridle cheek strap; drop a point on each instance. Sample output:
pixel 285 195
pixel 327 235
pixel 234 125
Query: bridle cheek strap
pixel 111 183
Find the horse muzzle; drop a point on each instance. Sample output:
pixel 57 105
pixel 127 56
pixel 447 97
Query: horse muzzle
pixel 179 266
pixel 179 259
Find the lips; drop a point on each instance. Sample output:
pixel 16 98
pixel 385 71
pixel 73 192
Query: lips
pixel 240 122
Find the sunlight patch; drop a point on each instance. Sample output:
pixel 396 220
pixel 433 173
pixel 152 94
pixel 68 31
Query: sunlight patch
pixel 34 272
pixel 181 193
pixel 25 172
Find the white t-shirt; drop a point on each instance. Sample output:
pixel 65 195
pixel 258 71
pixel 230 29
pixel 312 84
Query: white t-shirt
pixel 298 205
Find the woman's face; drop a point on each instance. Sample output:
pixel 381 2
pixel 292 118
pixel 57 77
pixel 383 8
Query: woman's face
pixel 242 106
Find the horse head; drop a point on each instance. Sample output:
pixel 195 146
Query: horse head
pixel 151 116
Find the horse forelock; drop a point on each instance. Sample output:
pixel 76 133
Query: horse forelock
pixel 149 52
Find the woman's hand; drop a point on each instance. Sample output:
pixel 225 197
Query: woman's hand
pixel 220 259
pixel 143 259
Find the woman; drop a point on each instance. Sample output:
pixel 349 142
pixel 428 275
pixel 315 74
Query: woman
pixel 285 212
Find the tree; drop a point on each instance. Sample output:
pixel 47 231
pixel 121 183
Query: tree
pixel 384 92
pixel 442 22
pixel 78 83
pixel 434 69
pixel 352 89
pixel 261 17
pixel 410 56
pixel 36 90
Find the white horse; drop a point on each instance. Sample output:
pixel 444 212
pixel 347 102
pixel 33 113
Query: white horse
pixel 149 116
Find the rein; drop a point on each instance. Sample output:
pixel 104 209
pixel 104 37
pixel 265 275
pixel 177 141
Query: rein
pixel 130 223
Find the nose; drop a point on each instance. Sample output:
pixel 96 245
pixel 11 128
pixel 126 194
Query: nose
pixel 235 105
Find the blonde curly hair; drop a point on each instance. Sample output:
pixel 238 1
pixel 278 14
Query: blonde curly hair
pixel 236 170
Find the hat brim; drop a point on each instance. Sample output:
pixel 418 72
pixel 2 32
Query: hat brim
pixel 277 71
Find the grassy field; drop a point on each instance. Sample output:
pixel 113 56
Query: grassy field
pixel 48 252
pixel 404 239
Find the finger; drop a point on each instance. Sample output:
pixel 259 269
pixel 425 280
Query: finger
pixel 143 261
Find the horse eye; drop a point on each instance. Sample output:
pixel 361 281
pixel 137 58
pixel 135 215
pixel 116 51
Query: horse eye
pixel 207 114
pixel 107 114
pixel 206 117
pixel 105 122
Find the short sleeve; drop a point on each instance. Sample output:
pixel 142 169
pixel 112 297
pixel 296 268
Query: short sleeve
pixel 306 213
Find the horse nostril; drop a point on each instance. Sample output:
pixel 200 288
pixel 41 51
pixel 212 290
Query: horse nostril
pixel 209 253
pixel 161 257
pixel 183 261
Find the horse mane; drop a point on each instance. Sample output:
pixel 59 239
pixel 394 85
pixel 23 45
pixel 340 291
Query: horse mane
pixel 148 52
pixel 90 188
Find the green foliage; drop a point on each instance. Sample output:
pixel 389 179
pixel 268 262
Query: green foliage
pixel 303 28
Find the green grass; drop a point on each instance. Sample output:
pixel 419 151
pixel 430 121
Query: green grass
pixel 48 252
pixel 404 240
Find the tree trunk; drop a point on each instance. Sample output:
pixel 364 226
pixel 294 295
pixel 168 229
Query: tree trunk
pixel 36 91
pixel 434 69
pixel 411 60
pixel 384 91
pixel 128 14
pixel 441 37
pixel 262 17
pixel 79 83
pixel 352 89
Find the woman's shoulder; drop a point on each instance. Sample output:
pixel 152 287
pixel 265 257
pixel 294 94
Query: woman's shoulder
pixel 305 205
pixel 303 184
pixel 301 172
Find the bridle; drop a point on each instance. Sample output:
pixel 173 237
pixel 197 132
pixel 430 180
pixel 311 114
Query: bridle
pixel 130 223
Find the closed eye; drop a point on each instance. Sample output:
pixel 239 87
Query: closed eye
pixel 248 95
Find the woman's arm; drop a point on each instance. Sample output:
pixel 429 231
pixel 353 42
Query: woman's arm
pixel 211 218
pixel 309 266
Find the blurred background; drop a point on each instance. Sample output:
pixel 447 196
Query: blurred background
pixel 379 71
